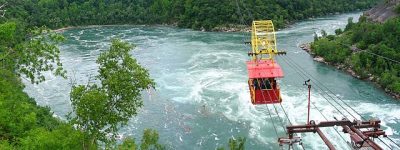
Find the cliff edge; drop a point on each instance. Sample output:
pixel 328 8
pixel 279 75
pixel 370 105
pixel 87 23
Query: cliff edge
pixel 383 12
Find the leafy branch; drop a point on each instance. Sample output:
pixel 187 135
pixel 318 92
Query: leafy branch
pixel 101 109
pixel 40 54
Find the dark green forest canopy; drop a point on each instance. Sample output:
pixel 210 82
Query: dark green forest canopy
pixel 194 14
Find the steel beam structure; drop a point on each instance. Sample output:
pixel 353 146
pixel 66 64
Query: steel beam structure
pixel 358 137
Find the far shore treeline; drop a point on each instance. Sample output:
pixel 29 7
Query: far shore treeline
pixel 195 14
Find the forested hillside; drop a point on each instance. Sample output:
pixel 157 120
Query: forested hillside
pixel 196 14
pixel 370 49
pixel 23 124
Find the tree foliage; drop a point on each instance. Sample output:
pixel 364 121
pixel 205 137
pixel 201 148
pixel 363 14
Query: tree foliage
pixel 28 52
pixel 235 144
pixel 40 54
pixel 100 109
pixel 397 9
pixel 128 144
pixel 24 125
pixel 196 14
pixel 32 56
pixel 149 142
pixel 368 48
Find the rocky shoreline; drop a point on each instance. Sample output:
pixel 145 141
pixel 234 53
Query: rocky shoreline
pixel 59 30
pixel 348 69
pixel 231 28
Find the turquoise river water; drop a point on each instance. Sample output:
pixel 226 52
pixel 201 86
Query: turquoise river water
pixel 202 99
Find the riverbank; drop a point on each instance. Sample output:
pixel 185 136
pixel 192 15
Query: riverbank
pixel 59 30
pixel 228 28
pixel 348 69
pixel 231 28
pixel 220 28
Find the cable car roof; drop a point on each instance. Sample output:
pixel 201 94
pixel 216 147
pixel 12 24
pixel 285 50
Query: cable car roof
pixel 264 69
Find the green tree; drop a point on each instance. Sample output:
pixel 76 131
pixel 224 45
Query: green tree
pixel 4 145
pixel 150 140
pixel 324 34
pixel 349 24
pixel 398 9
pixel 128 144
pixel 338 31
pixel 316 38
pixel 235 144
pixel 373 46
pixel 64 137
pixel 102 109
pixel 24 125
pixel 40 54
pixel 32 57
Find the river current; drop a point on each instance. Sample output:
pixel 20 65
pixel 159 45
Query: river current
pixel 201 98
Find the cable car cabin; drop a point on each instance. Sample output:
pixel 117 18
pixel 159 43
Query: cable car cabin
pixel 262 81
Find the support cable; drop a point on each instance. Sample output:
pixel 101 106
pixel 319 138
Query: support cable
pixel 281 120
pixel 317 89
pixel 269 112
pixel 329 94
pixel 398 62
pixel 326 88
pixel 391 140
pixel 318 109
pixel 273 124
pixel 302 146
pixel 382 57
pixel 301 71
pixel 284 111
pixel 334 128
pixel 270 116
pixel 387 58
pixel 243 23
pixel 276 110
pixel 385 143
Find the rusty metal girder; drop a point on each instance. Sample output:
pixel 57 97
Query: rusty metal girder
pixel 326 141
pixel 358 137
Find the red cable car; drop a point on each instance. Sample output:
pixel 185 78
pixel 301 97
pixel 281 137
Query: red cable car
pixel 264 71
pixel 264 88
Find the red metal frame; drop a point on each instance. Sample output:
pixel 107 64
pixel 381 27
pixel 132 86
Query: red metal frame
pixel 266 97
pixel 358 137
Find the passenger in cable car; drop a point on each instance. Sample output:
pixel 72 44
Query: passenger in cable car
pixel 264 84
pixel 267 84
pixel 273 83
pixel 255 84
